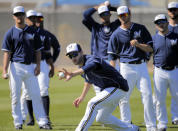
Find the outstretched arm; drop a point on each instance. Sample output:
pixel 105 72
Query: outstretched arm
pixel 69 75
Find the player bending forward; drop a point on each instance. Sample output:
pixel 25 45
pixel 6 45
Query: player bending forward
pixel 113 87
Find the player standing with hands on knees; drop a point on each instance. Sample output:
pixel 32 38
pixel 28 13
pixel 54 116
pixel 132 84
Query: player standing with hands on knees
pixel 165 46
pixel 113 87
pixel 20 45
pixel 131 42
pixel 100 33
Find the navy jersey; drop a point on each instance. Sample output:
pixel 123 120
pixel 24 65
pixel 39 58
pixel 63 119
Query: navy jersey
pixel 22 43
pixel 45 53
pixel 165 49
pixel 119 43
pixel 101 74
pixel 100 33
pixel 54 43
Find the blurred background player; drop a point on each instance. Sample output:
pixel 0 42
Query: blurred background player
pixel 100 33
pixel 173 26
pixel 45 73
pixel 113 87
pixel 20 49
pixel 130 42
pixel 165 46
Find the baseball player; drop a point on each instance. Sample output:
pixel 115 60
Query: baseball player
pixel 113 87
pixel 130 42
pixel 100 33
pixel 54 43
pixel 43 77
pixel 165 46
pixel 173 21
pixel 19 45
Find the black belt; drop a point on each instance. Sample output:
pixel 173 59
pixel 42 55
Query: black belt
pixel 25 63
pixel 135 62
pixel 169 68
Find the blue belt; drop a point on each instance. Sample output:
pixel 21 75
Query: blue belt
pixel 135 62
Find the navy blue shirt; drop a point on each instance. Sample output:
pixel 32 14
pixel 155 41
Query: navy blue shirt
pixel 54 43
pixel 45 53
pixel 101 74
pixel 119 43
pixel 100 33
pixel 165 49
pixel 22 43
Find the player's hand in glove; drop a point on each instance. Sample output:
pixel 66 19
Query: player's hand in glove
pixel 78 101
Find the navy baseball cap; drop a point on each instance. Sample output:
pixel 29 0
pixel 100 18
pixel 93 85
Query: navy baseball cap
pixel 73 47
pixel 160 17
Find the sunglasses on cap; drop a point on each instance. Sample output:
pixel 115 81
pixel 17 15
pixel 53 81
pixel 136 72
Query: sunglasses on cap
pixel 73 54
pixel 104 14
pixel 41 19
pixel 123 15
pixel 172 9
pixel 161 22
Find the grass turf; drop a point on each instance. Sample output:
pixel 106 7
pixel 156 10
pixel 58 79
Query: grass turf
pixel 63 114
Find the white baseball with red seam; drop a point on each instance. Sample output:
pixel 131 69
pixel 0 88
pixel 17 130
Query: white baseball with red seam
pixel 61 75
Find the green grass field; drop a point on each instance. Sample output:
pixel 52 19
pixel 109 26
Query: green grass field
pixel 64 115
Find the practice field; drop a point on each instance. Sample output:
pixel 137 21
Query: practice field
pixel 64 115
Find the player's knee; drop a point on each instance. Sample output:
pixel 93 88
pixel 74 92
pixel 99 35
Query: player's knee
pixel 101 119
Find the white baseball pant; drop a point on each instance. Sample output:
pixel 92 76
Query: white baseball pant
pixel 174 109
pixel 101 107
pixel 137 74
pixel 43 81
pixel 25 73
pixel 162 80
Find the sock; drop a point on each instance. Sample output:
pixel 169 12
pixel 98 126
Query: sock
pixel 46 102
pixel 30 109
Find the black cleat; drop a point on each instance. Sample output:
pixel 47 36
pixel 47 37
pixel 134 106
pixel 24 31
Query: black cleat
pixel 175 122
pixel 18 127
pixel 31 123
pixel 162 129
pixel 46 127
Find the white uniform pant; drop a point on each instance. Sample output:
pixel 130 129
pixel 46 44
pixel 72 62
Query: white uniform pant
pixel 162 80
pixel 20 73
pixel 137 75
pixel 101 107
pixel 43 81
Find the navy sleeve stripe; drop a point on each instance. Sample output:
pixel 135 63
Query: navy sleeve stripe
pixel 6 50
pixel 39 49
pixel 112 53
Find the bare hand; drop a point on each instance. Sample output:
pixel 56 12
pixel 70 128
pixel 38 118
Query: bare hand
pixel 5 75
pixel 67 75
pixel 77 101
pixel 51 72
pixel 134 43
pixel 37 70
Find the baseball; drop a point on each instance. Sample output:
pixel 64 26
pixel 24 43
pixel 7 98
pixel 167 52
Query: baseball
pixel 61 75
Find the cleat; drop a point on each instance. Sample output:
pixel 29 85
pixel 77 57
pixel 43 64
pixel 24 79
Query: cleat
pixel 31 123
pixel 162 129
pixel 175 122
pixel 46 127
pixel 18 127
